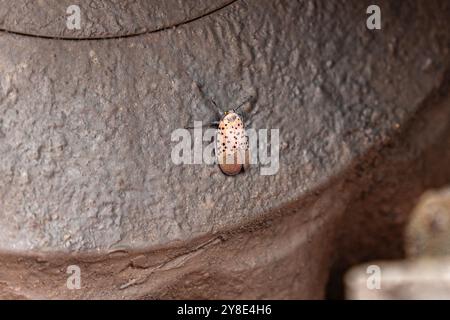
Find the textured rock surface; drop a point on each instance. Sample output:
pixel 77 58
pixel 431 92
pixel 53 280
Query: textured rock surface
pixel 100 18
pixel 85 143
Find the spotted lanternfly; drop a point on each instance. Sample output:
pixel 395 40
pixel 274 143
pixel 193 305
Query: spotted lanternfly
pixel 232 144
pixel 232 149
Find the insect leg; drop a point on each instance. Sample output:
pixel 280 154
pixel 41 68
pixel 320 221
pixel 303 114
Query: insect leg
pixel 217 109
pixel 245 101
pixel 213 124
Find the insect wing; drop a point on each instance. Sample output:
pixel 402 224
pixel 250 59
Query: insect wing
pixel 231 144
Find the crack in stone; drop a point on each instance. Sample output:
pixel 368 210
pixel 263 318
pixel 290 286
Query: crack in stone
pixel 169 264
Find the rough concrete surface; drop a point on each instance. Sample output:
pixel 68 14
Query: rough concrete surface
pixel 101 19
pixel 85 127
